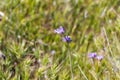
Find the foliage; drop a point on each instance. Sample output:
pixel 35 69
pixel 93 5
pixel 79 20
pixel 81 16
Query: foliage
pixel 33 51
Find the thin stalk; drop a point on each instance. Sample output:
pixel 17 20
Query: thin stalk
pixel 71 69
pixel 82 72
pixel 108 44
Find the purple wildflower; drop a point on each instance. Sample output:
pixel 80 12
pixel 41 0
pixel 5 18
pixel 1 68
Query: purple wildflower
pixel 100 57
pixel 59 30
pixel 92 55
pixel 67 39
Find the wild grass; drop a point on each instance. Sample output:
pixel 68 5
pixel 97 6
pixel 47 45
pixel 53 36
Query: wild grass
pixel 30 50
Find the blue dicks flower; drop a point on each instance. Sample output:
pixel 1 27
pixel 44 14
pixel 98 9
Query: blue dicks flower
pixel 100 57
pixel 67 39
pixel 59 30
pixel 92 55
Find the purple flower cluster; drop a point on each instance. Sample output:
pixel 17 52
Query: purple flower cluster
pixel 61 30
pixel 92 55
pixel 67 39
pixel 99 57
pixel 95 56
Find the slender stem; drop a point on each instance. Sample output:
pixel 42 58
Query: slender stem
pixel 82 72
pixel 71 67
pixel 70 62
pixel 108 44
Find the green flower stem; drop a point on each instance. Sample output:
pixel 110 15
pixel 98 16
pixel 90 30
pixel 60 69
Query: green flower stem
pixel 71 69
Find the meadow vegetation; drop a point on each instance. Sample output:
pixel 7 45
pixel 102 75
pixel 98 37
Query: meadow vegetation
pixel 30 49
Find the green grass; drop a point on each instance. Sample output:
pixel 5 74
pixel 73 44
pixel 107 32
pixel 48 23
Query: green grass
pixel 27 39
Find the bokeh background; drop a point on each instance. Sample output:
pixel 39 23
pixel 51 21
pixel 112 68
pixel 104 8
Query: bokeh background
pixel 32 51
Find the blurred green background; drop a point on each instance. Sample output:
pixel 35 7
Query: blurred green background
pixel 34 52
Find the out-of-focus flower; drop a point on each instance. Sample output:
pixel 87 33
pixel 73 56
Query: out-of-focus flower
pixel 1 15
pixel 18 36
pixel 100 57
pixel 67 39
pixel 92 55
pixel 53 52
pixel 59 30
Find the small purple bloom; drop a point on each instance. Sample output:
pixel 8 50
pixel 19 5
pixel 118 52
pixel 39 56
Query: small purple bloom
pixel 59 30
pixel 67 39
pixel 92 55
pixel 100 57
